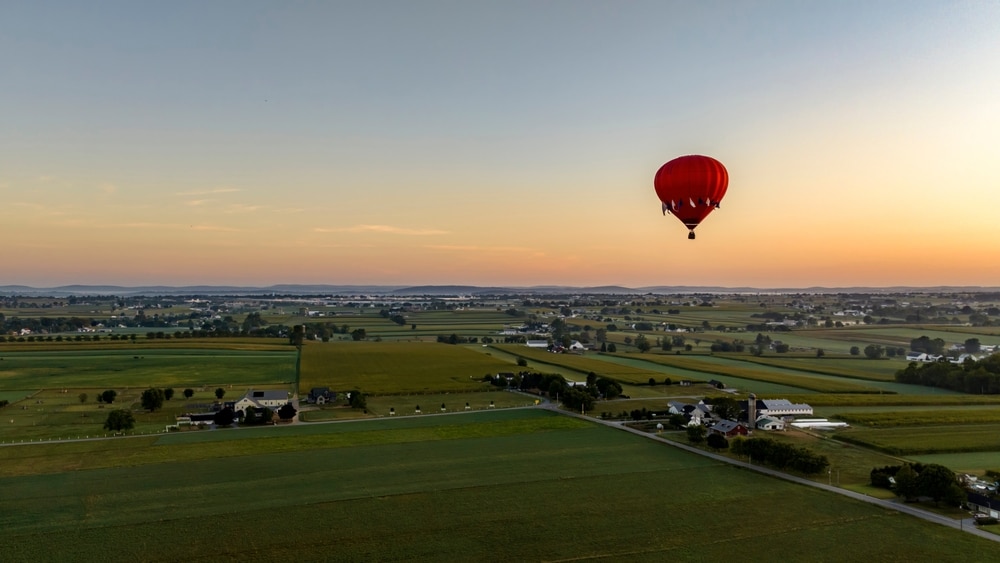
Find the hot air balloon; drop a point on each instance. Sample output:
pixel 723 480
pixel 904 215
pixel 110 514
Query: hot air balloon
pixel 690 187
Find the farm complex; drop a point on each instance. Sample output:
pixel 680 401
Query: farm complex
pixel 456 424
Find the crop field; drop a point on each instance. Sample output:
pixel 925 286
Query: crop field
pixel 676 374
pixel 969 462
pixel 854 368
pixel 712 365
pixel 500 486
pixel 135 366
pixel 857 400
pixel 923 417
pixel 582 364
pixel 396 367
pixel 918 440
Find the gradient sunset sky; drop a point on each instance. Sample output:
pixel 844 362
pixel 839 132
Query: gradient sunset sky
pixel 497 143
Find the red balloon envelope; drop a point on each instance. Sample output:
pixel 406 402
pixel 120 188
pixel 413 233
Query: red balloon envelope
pixel 690 187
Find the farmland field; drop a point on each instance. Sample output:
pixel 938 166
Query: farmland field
pixel 136 366
pixel 396 367
pixel 713 366
pixel 841 367
pixel 923 417
pixel 908 440
pixel 498 486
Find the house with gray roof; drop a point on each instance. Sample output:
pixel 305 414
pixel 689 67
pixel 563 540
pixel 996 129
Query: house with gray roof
pixel 272 399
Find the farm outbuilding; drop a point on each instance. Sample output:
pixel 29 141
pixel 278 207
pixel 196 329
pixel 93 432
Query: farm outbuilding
pixel 768 423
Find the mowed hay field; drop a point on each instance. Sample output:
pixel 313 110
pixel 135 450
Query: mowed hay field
pixel 396 367
pixel 499 486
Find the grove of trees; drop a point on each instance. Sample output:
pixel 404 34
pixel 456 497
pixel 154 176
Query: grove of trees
pixel 911 481
pixel 980 377
pixel 779 454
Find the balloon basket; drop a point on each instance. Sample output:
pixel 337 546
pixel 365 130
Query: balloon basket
pixel 691 235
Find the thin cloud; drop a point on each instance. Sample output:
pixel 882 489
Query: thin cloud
pixel 388 229
pixel 208 192
pixel 242 208
pixel 475 248
pixel 149 225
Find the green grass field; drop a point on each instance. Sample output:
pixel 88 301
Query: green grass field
pixel 501 486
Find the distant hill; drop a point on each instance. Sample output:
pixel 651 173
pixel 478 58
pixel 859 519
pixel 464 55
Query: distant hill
pixel 452 290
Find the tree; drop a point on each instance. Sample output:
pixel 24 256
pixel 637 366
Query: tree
pixel 357 400
pixel 83 397
pixel 297 336
pixel 855 350
pixel 677 420
pixel 522 362
pixel 906 482
pixel 286 412
pixel 612 348
pixel 168 393
pixel 939 483
pixel 108 396
pixel 224 417
pixel 220 393
pixel 820 353
pixel 188 393
pixel 642 343
pixel 609 388
pixel 874 351
pixel 717 441
pixel 152 399
pixel 972 345
pixel 696 434
pixel 726 408
pixel 119 420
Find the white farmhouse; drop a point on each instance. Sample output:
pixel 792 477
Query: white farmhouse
pixel 260 399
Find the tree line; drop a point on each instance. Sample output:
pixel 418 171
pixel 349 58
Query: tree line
pixel 780 455
pixel 978 377
pixel 911 481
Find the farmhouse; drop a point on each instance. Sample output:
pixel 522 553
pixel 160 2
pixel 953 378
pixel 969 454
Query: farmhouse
pixel 320 395
pixel 695 415
pixel 261 399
